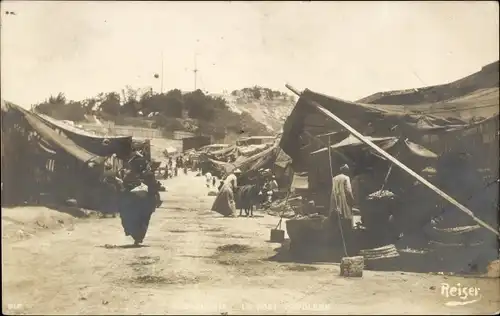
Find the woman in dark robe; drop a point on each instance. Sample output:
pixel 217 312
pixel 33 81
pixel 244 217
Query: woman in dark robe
pixel 136 209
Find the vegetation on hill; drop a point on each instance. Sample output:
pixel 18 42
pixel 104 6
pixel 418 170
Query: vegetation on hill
pixel 170 111
pixel 258 93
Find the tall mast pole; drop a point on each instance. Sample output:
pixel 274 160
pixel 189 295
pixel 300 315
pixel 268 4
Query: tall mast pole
pixel 195 70
pixel 161 87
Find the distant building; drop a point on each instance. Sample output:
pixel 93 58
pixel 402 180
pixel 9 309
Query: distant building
pixel 182 134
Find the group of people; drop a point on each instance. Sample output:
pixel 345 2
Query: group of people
pixel 173 170
pixel 225 202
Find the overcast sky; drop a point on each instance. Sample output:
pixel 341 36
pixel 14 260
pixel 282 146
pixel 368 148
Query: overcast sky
pixel 345 49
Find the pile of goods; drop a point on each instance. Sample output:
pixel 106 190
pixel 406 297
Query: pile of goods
pixel 381 195
pixel 284 208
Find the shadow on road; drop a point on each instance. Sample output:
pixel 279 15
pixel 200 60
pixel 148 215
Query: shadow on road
pixel 128 246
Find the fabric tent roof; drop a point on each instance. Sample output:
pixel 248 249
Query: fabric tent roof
pixel 55 139
pixel 213 147
pixel 222 153
pixel 386 143
pixel 251 150
pixel 382 118
pixel 246 164
pixel 120 145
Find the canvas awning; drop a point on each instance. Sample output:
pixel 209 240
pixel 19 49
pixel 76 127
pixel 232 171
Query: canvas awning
pixel 58 141
pixel 386 143
pixel 390 144
pixel 262 159
pixel 97 144
pixel 381 119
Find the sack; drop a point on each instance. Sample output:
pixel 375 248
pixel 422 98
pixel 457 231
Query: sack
pixel 141 190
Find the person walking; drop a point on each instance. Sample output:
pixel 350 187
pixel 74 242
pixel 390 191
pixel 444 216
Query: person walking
pixel 224 202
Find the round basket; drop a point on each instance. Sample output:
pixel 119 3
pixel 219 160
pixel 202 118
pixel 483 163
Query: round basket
pixel 381 258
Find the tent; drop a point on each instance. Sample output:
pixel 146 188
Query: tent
pixel 43 160
pixel 96 144
pixel 386 143
pixel 251 150
pixel 263 159
pixel 58 141
pixel 363 160
pixel 375 120
pixel 213 147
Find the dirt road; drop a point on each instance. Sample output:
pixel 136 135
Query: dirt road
pixel 195 262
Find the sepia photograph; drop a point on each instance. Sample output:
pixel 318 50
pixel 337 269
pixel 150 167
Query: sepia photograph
pixel 250 157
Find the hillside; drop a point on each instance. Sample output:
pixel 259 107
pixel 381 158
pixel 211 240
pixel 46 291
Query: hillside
pixel 485 79
pixel 266 106
pixel 219 116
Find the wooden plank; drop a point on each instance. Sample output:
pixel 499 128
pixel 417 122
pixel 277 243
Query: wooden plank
pixel 398 163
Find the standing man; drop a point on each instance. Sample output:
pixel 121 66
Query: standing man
pixel 342 198
pixel 341 203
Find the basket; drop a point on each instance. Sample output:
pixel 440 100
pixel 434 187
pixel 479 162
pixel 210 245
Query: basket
pixel 381 258
pixel 352 266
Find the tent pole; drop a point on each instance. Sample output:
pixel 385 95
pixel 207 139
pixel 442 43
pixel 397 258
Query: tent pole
pixel 397 162
pixel 330 204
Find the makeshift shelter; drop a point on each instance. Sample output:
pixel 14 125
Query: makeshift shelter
pixel 251 150
pixel 364 162
pixel 359 154
pixel 97 144
pixel 304 124
pixel 40 160
pixel 328 113
pixel 248 165
pixel 223 154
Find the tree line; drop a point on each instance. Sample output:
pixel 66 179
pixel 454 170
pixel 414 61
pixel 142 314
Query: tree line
pixel 167 110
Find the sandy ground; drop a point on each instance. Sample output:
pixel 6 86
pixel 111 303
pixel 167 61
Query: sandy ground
pixel 54 264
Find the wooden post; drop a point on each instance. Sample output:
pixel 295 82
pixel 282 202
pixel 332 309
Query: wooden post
pixel 397 163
